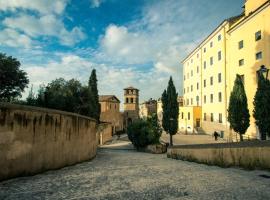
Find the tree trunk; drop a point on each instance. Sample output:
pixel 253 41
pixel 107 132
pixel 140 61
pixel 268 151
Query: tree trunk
pixel 171 140
pixel 241 138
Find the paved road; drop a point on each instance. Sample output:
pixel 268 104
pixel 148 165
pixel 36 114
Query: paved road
pixel 126 174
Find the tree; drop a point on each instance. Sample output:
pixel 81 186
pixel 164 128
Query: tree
pixel 261 103
pixel 92 85
pixel 31 100
pixel 238 113
pixel 170 110
pixel 13 81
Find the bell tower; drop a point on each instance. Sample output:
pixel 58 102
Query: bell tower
pixel 131 105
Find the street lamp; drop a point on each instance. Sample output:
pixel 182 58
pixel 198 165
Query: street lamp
pixel 186 125
pixel 263 72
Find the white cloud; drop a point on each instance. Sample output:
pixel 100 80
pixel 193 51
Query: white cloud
pixel 95 3
pixel 47 25
pixel 12 38
pixel 111 79
pixel 42 6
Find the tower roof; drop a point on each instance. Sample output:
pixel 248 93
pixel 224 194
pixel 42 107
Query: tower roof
pixel 131 88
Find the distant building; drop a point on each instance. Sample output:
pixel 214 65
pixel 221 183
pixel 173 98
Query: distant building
pixel 110 112
pixel 159 110
pixel 148 108
pixel 131 105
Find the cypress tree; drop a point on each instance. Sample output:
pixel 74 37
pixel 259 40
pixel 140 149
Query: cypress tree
pixel 92 85
pixel 238 113
pixel 165 120
pixel 261 103
pixel 170 110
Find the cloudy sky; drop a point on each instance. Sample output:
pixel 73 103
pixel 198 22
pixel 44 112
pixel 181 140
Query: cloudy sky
pixel 128 42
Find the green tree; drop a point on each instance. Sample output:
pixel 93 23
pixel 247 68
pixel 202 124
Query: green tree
pixel 170 110
pixel 238 113
pixel 31 99
pixel 13 81
pixel 261 103
pixel 92 84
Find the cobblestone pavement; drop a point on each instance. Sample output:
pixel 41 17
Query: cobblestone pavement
pixel 126 174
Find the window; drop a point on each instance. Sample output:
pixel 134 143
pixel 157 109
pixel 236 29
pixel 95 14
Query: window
pixel 204 83
pixel 204 99
pixel 191 73
pixel 126 100
pixel 220 118
pixel 211 61
pixel 197 100
pixel 219 37
pixel 212 117
pixel 204 116
pixel 191 101
pixel 187 101
pixel 204 50
pixel 204 64
pixel 241 44
pixel 220 97
pixel 211 44
pixel 182 115
pixel 197 86
pixel 258 36
pixel 241 62
pixel 219 77
pixel 131 100
pixel 259 55
pixel 188 115
pixel 219 55
pixel 211 98
pixel 197 69
pixel 191 88
pixel 211 80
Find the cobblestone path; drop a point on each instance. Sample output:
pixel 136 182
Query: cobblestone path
pixel 119 174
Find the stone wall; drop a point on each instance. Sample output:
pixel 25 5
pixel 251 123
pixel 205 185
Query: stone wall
pixel 34 140
pixel 249 155
pixel 105 132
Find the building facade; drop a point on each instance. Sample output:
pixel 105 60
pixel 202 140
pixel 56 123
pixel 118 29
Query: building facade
pixel 148 108
pixel 131 105
pixel 239 45
pixel 110 112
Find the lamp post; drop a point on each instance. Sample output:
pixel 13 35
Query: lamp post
pixel 263 72
pixel 262 76
pixel 186 125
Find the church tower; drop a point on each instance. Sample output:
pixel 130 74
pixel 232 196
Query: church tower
pixel 131 105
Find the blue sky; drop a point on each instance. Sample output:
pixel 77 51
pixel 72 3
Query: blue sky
pixel 128 42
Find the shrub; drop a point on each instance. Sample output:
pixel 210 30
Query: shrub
pixel 144 132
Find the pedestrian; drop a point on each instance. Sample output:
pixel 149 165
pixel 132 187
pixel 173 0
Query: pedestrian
pixel 216 135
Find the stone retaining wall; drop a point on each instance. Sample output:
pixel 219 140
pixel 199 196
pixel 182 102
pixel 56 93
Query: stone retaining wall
pixel 249 155
pixel 34 140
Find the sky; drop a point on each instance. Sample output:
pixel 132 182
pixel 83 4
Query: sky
pixel 138 43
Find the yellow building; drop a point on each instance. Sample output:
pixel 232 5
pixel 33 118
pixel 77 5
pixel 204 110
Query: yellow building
pixel 239 45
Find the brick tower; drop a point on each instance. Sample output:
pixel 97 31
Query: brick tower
pixel 131 105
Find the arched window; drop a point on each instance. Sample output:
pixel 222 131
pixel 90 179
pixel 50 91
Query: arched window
pixel 131 100
pixel 126 100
